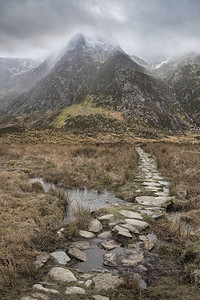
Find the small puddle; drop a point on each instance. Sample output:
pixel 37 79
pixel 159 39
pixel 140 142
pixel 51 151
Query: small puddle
pixel 88 199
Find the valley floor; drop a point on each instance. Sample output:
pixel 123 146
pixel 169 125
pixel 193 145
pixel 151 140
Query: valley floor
pixel 31 218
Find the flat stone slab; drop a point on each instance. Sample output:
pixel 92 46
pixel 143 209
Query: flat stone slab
pixel 88 283
pixel 110 245
pixel 153 201
pixel 105 235
pixel 77 253
pixel 74 290
pixel 95 226
pixel 40 288
pixel 132 260
pixel 86 234
pixel 130 214
pixel 61 257
pixel 82 245
pixel 124 232
pixel 131 228
pixel 110 259
pixel 39 296
pixel 62 275
pixel 152 214
pixel 104 282
pixel 141 224
pixel 99 297
pixel 107 217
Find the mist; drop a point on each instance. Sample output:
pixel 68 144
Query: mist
pixel 150 29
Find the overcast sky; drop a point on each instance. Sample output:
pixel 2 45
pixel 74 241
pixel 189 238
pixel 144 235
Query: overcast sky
pixel 34 28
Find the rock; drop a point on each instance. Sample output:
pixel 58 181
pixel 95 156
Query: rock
pixel 132 246
pixel 110 245
pixel 122 231
pixel 74 290
pixel 131 214
pixel 141 224
pixel 88 283
pixel 112 224
pixel 41 260
pixel 142 268
pixel 152 237
pixel 62 275
pixel 143 238
pixel 61 257
pixel 141 282
pixel 40 288
pixel 95 226
pixel 104 282
pixel 152 214
pixel 108 217
pixel 40 296
pixel 153 201
pixel 133 260
pixel 77 253
pixel 81 282
pixel 27 298
pixel 130 228
pixel 86 276
pixel 99 297
pixel 148 245
pixel 60 232
pixel 82 245
pixel 105 235
pixel 86 234
pixel 110 259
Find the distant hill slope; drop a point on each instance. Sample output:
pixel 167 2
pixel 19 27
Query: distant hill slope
pixel 184 76
pixel 108 77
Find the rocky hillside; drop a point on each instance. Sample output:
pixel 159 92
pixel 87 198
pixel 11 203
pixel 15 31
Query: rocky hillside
pixel 184 76
pixel 88 69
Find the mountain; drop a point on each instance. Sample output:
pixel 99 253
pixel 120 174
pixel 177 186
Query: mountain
pixel 183 75
pixel 97 72
pixel 139 61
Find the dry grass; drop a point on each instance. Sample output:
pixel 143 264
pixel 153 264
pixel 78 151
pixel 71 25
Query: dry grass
pixel 29 217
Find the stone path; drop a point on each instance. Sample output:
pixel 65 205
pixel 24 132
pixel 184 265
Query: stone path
pixel 113 244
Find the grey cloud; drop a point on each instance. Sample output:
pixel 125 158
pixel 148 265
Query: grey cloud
pixel 141 27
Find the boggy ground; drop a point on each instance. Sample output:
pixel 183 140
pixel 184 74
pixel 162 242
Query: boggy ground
pixel 29 217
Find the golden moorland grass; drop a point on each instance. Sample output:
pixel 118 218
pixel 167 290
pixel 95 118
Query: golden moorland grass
pixel 29 217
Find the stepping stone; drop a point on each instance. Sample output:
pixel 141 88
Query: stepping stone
pixel 86 234
pixel 40 288
pixel 74 290
pixel 41 260
pixel 141 224
pixel 132 260
pixel 148 245
pixel 99 297
pixel 151 183
pixel 86 276
pixel 130 228
pixel 110 259
pixel 143 238
pixel 112 224
pixel 108 217
pixel 62 275
pixel 88 283
pixel 153 201
pixel 122 231
pixel 131 214
pixel 152 237
pixel 142 268
pixel 105 235
pixel 82 245
pixel 95 226
pixel 61 257
pixel 27 298
pixel 39 296
pixel 141 282
pixel 77 253
pixel 104 282
pixel 151 214
pixel 110 245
